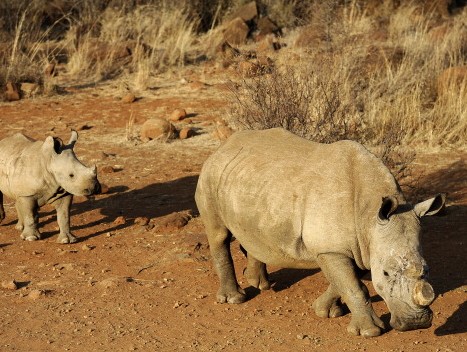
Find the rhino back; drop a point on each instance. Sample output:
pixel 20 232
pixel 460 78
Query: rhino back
pixel 21 166
pixel 287 198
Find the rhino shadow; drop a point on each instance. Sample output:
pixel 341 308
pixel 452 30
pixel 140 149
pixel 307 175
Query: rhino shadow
pixel 455 324
pixel 283 279
pixel 152 201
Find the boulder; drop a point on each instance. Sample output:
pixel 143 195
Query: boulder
pixel 247 12
pixel 157 128
pixel 266 26
pixel 236 31
pixel 12 92
pixel 186 132
pixel 177 115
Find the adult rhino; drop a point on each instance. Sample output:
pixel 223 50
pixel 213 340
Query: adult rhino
pixel 293 203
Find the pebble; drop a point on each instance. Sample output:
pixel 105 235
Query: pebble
pixel 10 285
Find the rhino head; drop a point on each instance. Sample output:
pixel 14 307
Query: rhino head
pixel 399 273
pixel 68 171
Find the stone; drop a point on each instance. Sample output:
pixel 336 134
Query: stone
pixel 157 128
pixel 266 26
pixel 36 294
pixel 222 132
pixel 247 12
pixel 128 98
pixel 107 169
pixel 176 220
pixel 12 92
pixel 186 132
pixel 104 188
pixel 29 89
pixel 120 220
pixel 177 115
pixel 236 31
pixel 142 221
pixel 10 285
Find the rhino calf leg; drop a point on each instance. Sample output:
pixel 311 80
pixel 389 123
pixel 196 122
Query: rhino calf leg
pixel 62 207
pixel 340 272
pixel 27 209
pixel 328 305
pixel 219 243
pixel 256 274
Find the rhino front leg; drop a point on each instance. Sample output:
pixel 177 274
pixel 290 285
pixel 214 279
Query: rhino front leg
pixel 256 273
pixel 62 206
pixel 341 274
pixel 27 209
pixel 219 243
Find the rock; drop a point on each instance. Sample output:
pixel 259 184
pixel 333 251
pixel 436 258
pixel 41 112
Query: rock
pixel 222 132
pixel 247 12
pixel 10 285
pixel 29 89
pixel 120 220
pixel 451 81
pixel 104 188
pixel 175 220
pixel 36 294
pixel 177 115
pixel 128 98
pixel 157 128
pixel 266 26
pixel 87 247
pixel 12 92
pixel 142 221
pixel 107 169
pixel 236 31
pixel 186 132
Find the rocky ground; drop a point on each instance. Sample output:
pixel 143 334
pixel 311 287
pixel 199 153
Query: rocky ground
pixel 140 277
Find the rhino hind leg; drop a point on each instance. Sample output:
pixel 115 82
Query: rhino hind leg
pixel 329 304
pixel 256 273
pixel 27 210
pixel 219 238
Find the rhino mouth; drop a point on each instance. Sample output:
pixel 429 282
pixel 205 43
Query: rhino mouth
pixel 421 320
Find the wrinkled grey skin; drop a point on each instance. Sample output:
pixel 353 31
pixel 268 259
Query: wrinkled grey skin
pixel 295 203
pixel 34 173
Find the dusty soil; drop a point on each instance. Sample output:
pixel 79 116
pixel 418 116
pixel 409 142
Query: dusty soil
pixel 129 286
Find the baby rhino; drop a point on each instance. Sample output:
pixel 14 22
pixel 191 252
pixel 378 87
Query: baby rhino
pixel 35 173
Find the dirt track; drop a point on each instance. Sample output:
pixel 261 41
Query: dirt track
pixel 125 286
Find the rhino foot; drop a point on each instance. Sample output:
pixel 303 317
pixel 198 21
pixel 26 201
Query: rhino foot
pixel 234 297
pixel 328 305
pixel 257 279
pixel 66 238
pixel 366 326
pixel 19 226
pixel 34 236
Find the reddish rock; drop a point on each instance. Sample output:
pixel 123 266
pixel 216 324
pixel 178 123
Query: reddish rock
pixel 128 98
pixel 247 12
pixel 142 221
pixel 104 188
pixel 107 169
pixel 29 89
pixel 186 132
pixel 236 31
pixel 222 132
pixel 266 26
pixel 120 220
pixel 12 92
pixel 177 115
pixel 157 128
pixel 175 220
pixel 10 285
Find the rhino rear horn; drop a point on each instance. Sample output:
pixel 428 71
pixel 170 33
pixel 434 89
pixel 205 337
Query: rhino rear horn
pixel 388 207
pixel 73 138
pixel 423 294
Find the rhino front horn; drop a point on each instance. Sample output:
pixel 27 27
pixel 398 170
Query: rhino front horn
pixel 423 294
pixel 73 138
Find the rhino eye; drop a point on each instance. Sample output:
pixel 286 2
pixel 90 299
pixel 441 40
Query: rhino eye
pixel 72 175
pixel 385 273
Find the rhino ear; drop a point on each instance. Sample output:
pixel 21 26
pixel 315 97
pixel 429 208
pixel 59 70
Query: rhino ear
pixel 431 206
pixel 388 207
pixel 73 139
pixel 52 144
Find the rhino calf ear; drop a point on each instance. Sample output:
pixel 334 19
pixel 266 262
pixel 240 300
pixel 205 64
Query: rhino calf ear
pixel 388 207
pixel 431 206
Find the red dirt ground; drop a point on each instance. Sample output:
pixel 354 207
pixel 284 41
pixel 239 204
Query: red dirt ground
pixel 128 287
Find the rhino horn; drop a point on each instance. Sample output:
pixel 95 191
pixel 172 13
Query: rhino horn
pixel 73 138
pixel 423 294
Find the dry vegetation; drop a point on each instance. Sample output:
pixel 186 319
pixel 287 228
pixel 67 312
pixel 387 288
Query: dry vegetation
pixel 366 70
